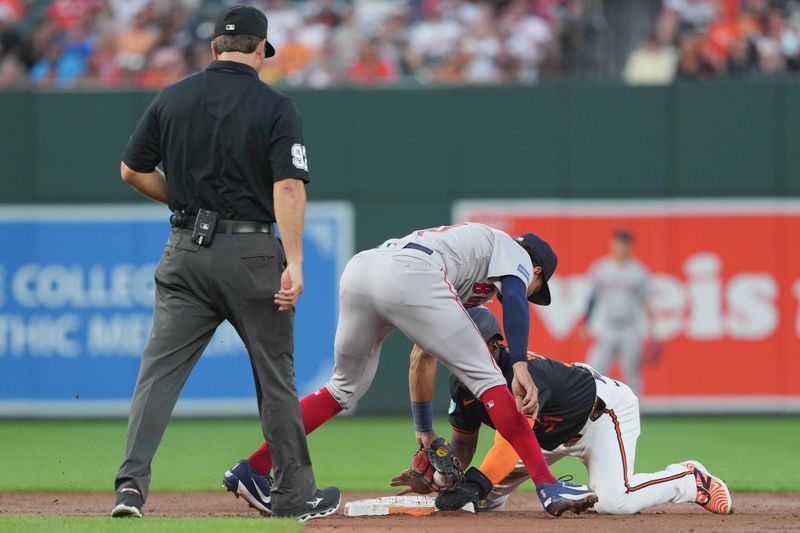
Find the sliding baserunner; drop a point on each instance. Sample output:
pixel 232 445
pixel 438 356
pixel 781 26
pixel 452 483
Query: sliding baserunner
pixel 581 414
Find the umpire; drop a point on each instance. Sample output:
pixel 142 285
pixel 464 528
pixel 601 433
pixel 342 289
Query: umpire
pixel 234 163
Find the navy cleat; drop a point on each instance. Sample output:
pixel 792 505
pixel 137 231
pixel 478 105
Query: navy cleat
pixel 254 488
pixel 562 496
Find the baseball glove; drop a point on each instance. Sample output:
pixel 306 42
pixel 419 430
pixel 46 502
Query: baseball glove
pixel 432 469
pixel 418 478
pixel 448 473
pixel 475 487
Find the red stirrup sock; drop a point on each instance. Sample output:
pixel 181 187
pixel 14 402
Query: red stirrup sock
pixel 316 408
pixel 515 429
pixel 261 460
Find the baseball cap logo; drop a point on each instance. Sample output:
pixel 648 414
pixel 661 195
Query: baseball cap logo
pixel 244 19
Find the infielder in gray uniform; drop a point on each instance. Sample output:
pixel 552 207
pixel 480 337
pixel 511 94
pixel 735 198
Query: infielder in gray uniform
pixel 618 302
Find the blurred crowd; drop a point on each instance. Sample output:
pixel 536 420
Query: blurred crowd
pixel 321 43
pixel 705 39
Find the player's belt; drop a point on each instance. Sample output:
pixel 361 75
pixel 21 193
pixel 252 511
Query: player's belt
pixel 415 246
pixel 226 226
pixel 598 409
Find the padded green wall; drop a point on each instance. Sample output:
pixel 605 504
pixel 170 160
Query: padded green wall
pixel 403 155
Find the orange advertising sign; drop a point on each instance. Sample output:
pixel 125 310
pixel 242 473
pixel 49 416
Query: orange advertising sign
pixel 724 292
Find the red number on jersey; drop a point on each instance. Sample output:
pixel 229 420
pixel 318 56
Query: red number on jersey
pixel 483 288
pixel 438 229
pixel 472 301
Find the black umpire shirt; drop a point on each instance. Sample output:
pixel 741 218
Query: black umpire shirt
pixel 566 398
pixel 223 138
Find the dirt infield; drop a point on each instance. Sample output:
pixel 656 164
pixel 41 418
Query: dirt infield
pixel 754 512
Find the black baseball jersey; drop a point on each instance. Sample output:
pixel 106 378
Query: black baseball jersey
pixel 566 398
pixel 223 138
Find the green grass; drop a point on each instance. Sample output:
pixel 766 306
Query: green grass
pixel 357 454
pixel 362 454
pixel 80 524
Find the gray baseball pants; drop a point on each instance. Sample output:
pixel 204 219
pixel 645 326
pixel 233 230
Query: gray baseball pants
pixel 624 344
pixel 407 289
pixel 196 289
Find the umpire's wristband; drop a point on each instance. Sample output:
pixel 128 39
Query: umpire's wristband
pixel 422 412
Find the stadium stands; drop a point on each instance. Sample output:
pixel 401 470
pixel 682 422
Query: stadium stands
pixel 323 43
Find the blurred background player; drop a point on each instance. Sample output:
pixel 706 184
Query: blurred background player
pixel 582 414
pixel 618 314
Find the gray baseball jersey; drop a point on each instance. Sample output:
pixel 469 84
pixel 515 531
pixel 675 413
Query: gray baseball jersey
pixel 621 291
pixel 475 257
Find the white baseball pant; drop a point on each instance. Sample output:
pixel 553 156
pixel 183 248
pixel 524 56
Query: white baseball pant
pixel 608 449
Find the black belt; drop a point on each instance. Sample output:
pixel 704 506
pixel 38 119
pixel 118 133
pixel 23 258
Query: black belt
pixel 230 226
pixel 599 407
pixel 598 410
pixel 415 246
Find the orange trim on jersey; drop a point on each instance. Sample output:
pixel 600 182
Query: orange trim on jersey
pixel 534 355
pixel 500 460
pixel 628 487
pixel 465 431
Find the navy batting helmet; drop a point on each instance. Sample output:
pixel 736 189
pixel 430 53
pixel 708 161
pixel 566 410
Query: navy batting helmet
pixel 487 323
pixel 543 255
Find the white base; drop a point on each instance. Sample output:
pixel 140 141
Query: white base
pixel 386 505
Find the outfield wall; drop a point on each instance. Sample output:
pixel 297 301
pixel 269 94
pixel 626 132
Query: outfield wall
pixel 76 307
pixel 728 319
pixel 401 158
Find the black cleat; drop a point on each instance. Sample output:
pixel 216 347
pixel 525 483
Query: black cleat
pixel 325 503
pixel 129 504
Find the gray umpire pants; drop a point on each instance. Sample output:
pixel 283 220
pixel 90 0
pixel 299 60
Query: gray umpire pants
pixel 196 288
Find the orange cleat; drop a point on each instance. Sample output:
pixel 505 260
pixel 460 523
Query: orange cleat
pixel 712 492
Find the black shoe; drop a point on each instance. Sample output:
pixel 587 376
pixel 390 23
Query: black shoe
pixel 324 503
pixel 129 504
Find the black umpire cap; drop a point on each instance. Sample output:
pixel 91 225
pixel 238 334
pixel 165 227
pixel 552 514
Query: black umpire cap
pixel 543 255
pixel 244 20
